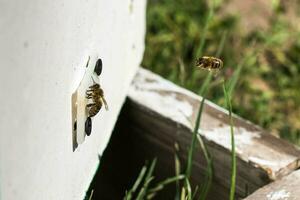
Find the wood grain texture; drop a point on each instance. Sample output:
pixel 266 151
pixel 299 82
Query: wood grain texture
pixel 287 188
pixel 164 114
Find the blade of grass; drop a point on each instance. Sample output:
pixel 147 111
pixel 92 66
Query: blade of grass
pixel 177 171
pixel 144 189
pixel 233 154
pixel 183 195
pixel 205 29
pixel 233 80
pixel 222 43
pixel 209 169
pixel 138 181
pixel 199 50
pixel 159 186
pixel 205 85
pixel 228 92
pixel 188 189
pixel 151 169
pixel 202 92
pixel 193 142
pixel 182 72
pixel 195 192
pixel 148 179
pixel 91 195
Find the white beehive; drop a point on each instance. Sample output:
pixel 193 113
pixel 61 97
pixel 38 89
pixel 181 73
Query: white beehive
pixel 44 48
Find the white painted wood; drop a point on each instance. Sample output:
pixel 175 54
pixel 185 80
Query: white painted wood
pixel 253 144
pixel 287 188
pixel 162 113
pixel 44 47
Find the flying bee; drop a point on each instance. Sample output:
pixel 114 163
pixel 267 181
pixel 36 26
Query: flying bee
pixel 209 63
pixel 96 94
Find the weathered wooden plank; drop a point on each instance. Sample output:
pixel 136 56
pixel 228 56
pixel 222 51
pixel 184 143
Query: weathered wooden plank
pixel 287 188
pixel 163 113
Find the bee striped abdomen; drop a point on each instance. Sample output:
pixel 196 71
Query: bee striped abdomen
pixel 96 95
pixel 215 64
pixel 210 63
pixel 93 109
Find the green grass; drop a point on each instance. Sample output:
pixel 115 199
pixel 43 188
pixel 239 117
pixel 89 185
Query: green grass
pixel 268 89
pixel 142 188
pixel 129 194
pixel 193 142
pixel 195 136
pixel 233 155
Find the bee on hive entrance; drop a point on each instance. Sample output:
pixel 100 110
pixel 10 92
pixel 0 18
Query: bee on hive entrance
pixel 96 95
pixel 209 63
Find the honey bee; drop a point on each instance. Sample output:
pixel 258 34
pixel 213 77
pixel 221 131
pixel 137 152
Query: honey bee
pixel 209 63
pixel 96 94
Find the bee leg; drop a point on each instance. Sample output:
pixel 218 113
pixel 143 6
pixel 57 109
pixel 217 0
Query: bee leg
pixel 95 86
pixel 104 102
pixel 89 96
pixel 87 64
pixel 89 91
pixel 90 105
pixel 94 109
pixel 93 80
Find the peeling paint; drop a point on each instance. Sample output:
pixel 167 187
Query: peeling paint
pixel 221 135
pixel 149 81
pixel 261 161
pixel 278 195
pixel 178 104
pixel 179 111
pixel 148 92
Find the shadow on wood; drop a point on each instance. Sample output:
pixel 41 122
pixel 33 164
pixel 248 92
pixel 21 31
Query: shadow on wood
pixel 123 159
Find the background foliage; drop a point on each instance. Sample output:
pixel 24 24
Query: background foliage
pixel 265 43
